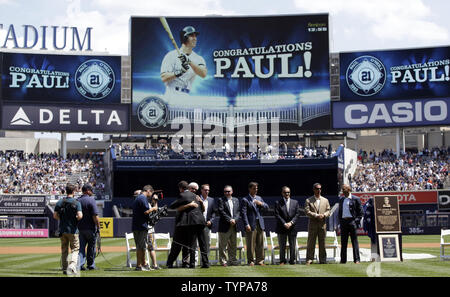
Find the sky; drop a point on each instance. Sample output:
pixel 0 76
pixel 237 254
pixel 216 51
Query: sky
pixel 355 25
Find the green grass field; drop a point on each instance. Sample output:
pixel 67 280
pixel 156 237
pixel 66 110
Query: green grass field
pixel 112 264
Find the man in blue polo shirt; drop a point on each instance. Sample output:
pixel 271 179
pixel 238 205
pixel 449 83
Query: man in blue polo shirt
pixel 141 210
pixel 89 227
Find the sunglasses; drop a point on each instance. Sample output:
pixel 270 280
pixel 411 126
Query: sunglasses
pixel 287 192
pixel 227 191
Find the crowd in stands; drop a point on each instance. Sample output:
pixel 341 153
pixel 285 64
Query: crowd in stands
pixel 23 173
pixel 165 151
pixel 412 171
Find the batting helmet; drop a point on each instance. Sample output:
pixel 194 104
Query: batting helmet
pixel 186 32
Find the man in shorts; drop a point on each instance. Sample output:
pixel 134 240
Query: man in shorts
pixel 141 210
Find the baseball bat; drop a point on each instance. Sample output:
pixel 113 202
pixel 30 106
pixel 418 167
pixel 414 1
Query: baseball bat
pixel 169 32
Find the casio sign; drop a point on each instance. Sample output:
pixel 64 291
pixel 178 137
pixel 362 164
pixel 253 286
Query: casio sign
pixel 415 112
pixel 401 112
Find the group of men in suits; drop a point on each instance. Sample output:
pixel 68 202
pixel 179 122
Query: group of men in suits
pixel 194 216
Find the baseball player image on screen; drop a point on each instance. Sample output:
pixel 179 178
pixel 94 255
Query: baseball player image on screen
pixel 179 68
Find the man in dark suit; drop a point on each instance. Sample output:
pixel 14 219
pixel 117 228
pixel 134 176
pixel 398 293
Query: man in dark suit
pixel 350 214
pixel 208 213
pixel 228 208
pixel 251 207
pixel 286 213
pixel 189 222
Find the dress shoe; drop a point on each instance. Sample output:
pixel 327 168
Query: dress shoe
pixel 205 266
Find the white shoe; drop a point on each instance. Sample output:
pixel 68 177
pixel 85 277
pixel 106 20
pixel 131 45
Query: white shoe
pixel 72 270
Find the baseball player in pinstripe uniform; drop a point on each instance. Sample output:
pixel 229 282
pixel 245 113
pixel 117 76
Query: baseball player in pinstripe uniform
pixel 178 71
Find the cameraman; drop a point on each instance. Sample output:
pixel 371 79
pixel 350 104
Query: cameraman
pixel 141 210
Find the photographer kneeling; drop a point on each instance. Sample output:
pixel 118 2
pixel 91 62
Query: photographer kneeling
pixel 141 211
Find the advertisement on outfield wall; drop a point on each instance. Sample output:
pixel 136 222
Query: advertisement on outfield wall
pixel 23 233
pixel 79 79
pixel 387 114
pixel 22 204
pixel 65 117
pixel 230 72
pixel 395 74
pixel 406 197
pixel 444 200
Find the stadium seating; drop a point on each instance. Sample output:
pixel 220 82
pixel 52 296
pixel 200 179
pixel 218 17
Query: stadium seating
pixel 130 237
pixel 444 243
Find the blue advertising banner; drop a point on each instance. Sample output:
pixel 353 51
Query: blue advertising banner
pixel 385 114
pixel 395 74
pixel 65 117
pixel 238 70
pixel 75 79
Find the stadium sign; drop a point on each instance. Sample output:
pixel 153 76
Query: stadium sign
pixel 22 204
pixel 395 74
pixel 232 69
pixel 68 118
pixel 444 200
pixel 406 197
pixel 399 113
pixel 61 78
pixel 39 37
pixel 23 233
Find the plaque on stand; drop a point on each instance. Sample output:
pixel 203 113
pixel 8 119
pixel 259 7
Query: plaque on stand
pixel 387 214
pixel 388 227
pixel 389 246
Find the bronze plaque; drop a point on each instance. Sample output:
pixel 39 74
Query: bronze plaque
pixel 387 214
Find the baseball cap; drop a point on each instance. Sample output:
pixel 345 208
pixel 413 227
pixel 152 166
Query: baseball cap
pixel 87 187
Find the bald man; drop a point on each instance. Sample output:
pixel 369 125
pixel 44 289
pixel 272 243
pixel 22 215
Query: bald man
pixel 350 214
